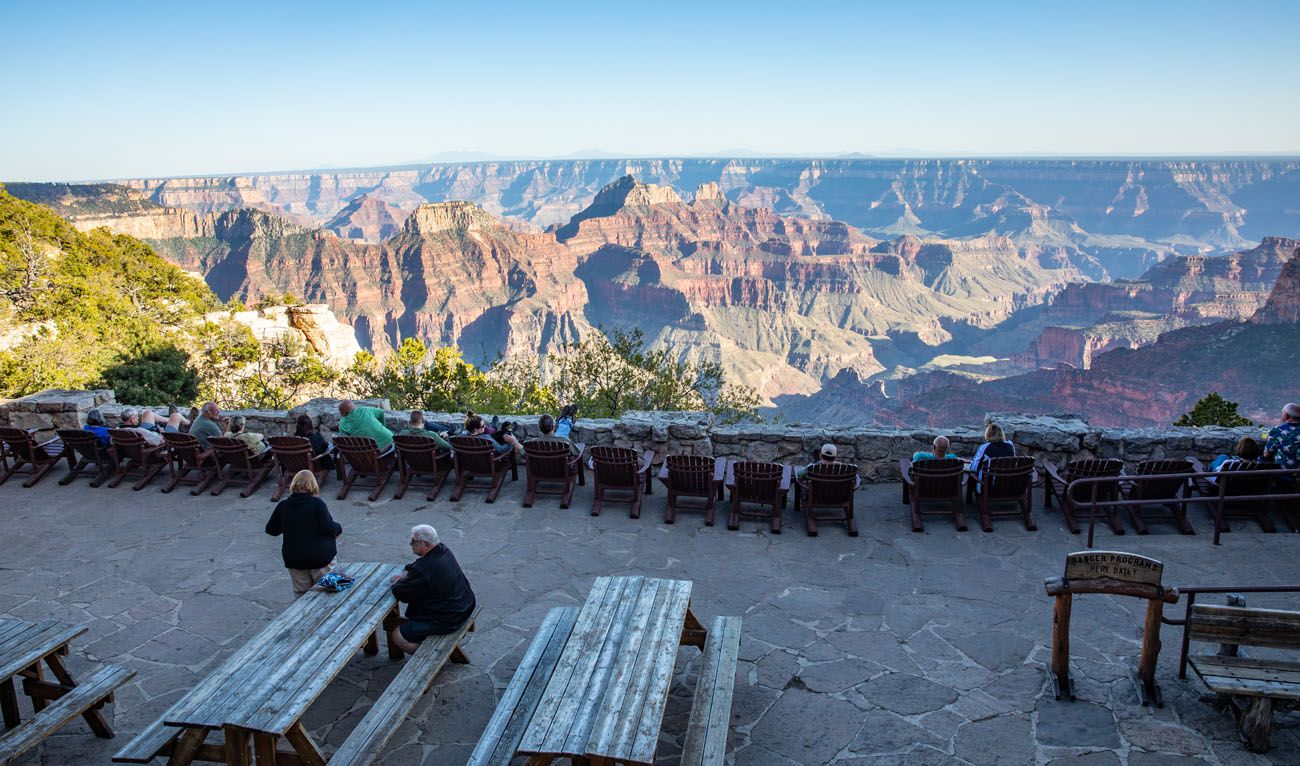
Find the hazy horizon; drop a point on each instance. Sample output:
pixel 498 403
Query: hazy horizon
pixel 105 92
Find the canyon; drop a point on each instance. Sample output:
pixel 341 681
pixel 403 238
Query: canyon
pixel 856 290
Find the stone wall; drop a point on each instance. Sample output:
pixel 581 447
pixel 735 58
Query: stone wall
pixel 876 450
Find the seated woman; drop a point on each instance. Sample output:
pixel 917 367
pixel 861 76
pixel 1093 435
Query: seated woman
pixel 96 424
pixel 255 441
pixel 940 451
pixel 1247 450
pixel 474 427
pixel 303 427
pixel 995 445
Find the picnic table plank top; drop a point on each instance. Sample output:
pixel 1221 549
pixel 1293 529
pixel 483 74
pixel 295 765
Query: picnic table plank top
pixel 607 695
pixel 23 643
pixel 268 684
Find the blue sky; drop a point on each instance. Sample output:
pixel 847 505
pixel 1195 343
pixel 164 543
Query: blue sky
pixel 108 90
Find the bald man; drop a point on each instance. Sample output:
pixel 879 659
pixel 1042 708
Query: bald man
pixel 364 421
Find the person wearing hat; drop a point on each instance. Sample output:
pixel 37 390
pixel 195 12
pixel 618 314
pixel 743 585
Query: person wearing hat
pixel 828 453
pixel 436 592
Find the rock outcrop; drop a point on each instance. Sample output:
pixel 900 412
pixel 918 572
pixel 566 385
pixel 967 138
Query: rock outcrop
pixel 366 219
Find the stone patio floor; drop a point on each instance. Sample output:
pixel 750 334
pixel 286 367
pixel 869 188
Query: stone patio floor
pixel 891 648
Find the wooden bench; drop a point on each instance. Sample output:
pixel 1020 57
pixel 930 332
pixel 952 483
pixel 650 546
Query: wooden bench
pixel 706 734
pixel 364 745
pixel 497 745
pixel 1259 680
pixel 90 694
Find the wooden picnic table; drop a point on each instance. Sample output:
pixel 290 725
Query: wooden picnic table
pixel 605 701
pixel 262 691
pixel 24 646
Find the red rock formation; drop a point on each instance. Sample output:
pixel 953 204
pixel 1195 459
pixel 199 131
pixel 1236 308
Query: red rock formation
pixel 367 219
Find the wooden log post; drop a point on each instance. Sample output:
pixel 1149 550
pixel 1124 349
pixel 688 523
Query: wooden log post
pixel 1146 672
pixel 1230 650
pixel 1257 725
pixel 1061 647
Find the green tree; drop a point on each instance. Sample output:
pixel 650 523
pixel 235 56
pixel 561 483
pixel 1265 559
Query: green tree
pixel 1213 410
pixel 161 375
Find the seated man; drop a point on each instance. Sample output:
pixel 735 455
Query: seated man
pixel 365 421
pixel 207 424
pixel 131 422
pixel 416 427
pixel 96 425
pixel 827 454
pixel 546 424
pixel 149 421
pixel 940 451
pixel 437 595
pixel 1283 445
pixel 255 441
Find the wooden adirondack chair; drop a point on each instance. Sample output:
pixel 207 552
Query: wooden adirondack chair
pixel 551 462
pixel 693 476
pixel 756 483
pixel 1054 487
pixel 24 451
pixel 234 458
pixel 187 457
pixel 419 456
pixel 620 469
pixel 475 457
pixel 360 458
pixel 1007 480
pixel 134 455
pixel 934 481
pixel 1160 489
pixel 1237 491
pixel 828 485
pixel 88 451
pixel 294 454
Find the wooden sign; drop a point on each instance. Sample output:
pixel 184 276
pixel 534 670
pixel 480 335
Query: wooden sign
pixel 1113 565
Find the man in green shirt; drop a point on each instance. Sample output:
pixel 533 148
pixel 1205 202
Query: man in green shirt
pixel 417 427
pixel 364 421
pixel 207 424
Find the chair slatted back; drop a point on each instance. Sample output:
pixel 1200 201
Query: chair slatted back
pixel 361 452
pixel 939 477
pixel 1241 486
pixel 616 466
pixel 232 452
pixel 474 454
pixel 831 483
pixel 1274 628
pixel 84 443
pixel 691 474
pixel 547 459
pixel 1162 487
pixel 292 453
pixel 419 453
pixel 129 444
pixel 1007 477
pixel 1091 469
pixel 23 446
pixel 185 449
pixel 757 482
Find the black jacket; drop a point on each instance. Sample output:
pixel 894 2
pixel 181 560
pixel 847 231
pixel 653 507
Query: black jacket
pixel 308 530
pixel 436 591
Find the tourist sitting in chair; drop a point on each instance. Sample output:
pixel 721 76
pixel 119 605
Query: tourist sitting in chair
pixel 437 595
pixel 365 421
pixel 255 441
pixel 96 425
pixel 417 427
pixel 303 427
pixel 207 424
pixel 564 426
pixel 474 427
pixel 1246 451
pixel 1283 445
pixel 940 451
pixel 149 421
pixel 546 424
pixel 827 456
pixel 131 422
pixel 995 445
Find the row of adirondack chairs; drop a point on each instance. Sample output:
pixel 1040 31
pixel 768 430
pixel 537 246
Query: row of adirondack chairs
pixel 1008 480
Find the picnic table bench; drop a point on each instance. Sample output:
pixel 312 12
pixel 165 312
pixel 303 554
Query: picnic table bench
pixel 594 682
pixel 1256 681
pixel 260 693
pixel 23 647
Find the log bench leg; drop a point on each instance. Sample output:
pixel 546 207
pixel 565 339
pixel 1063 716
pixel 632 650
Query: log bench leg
pixel 302 744
pixel 9 703
pixel 1257 724
pixel 94 718
pixel 187 746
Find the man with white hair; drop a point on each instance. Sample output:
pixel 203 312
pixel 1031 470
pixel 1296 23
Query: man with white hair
pixel 1283 444
pixel 131 422
pixel 438 598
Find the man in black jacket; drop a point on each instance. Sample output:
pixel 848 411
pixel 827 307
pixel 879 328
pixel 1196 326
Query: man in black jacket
pixel 437 595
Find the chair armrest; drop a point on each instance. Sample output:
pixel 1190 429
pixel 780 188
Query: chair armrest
pixel 719 469
pixel 1197 465
pixel 663 471
pixel 647 459
pixel 787 475
pixel 905 470
pixel 1052 474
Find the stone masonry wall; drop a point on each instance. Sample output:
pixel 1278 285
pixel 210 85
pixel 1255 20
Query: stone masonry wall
pixel 877 451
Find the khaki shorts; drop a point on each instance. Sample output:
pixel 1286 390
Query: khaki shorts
pixel 304 579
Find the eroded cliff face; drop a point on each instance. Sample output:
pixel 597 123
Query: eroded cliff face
pixel 1283 305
